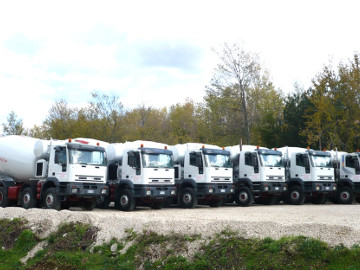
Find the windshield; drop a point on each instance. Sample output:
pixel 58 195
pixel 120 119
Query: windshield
pixel 87 157
pixel 271 160
pixel 218 160
pixel 157 161
pixel 321 161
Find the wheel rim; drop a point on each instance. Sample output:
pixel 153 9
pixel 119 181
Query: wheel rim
pixel 187 198
pixel 26 198
pixel 344 195
pixel 243 196
pixel 124 200
pixel 49 199
pixel 295 195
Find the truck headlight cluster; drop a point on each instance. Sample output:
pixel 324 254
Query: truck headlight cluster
pixel 148 192
pixel 103 191
pixel 317 187
pixel 211 190
pixel 173 192
pixel 74 190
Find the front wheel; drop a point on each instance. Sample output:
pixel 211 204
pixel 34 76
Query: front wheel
pixel 344 195
pixel 125 200
pixel 295 195
pixel 28 198
pixel 51 199
pixel 4 201
pixel 244 196
pixel 187 198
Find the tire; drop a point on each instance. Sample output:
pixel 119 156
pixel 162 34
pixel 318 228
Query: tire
pixel 320 199
pixel 125 200
pixel 158 204
pixel 344 195
pixel 103 202
pixel 51 199
pixel 268 200
pixel 244 196
pixel 295 195
pixel 187 198
pixel 4 201
pixel 88 205
pixel 216 203
pixel 28 198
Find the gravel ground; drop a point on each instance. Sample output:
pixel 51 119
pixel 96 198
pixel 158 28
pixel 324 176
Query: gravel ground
pixel 334 224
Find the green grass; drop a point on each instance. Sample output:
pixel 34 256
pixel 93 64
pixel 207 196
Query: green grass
pixel 71 247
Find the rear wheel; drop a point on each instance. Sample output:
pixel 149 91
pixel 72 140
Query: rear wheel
pixel 28 198
pixel 244 196
pixel 158 204
pixel 4 201
pixel 295 195
pixel 320 199
pixel 125 200
pixel 344 195
pixel 51 199
pixel 187 198
pixel 216 202
pixel 88 205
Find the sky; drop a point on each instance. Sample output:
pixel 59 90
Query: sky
pixel 159 53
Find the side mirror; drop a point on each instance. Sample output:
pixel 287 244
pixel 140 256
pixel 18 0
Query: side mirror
pixel 306 163
pixel 254 162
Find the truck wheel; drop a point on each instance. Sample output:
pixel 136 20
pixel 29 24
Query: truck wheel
pixel 319 199
pixel 51 200
pixel 244 196
pixel 88 205
pixel 103 202
pixel 187 198
pixel 344 195
pixel 295 195
pixel 125 200
pixel 28 198
pixel 158 204
pixel 216 203
pixel 4 201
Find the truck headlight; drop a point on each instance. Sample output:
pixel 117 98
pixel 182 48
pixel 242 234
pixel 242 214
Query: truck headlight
pixel 211 190
pixel 148 192
pixel 173 192
pixel 74 190
pixel 103 191
pixel 317 187
pixel 284 188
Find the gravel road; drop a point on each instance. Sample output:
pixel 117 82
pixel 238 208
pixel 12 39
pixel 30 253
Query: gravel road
pixel 334 224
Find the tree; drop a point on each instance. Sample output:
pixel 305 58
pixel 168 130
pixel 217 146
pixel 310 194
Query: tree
pixel 14 126
pixel 105 115
pixel 61 122
pixel 239 71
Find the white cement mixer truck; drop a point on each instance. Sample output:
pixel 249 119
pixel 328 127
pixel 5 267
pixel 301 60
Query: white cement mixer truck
pixel 259 174
pixel 309 175
pixel 203 174
pixel 140 173
pixel 347 176
pixel 51 174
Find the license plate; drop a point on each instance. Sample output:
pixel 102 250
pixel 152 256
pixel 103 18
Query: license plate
pixel 222 190
pixel 162 192
pixel 90 191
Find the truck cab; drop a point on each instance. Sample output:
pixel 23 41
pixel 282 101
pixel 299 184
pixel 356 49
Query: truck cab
pixel 205 176
pixel 259 175
pixel 310 175
pixel 143 176
pixel 347 176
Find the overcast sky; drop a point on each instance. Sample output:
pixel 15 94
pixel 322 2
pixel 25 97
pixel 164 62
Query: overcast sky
pixel 158 53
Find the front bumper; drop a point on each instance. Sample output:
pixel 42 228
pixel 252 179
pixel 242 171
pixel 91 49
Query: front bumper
pixel 155 191
pixel 273 187
pixel 217 189
pixel 85 190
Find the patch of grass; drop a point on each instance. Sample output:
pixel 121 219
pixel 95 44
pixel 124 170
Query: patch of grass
pixel 70 248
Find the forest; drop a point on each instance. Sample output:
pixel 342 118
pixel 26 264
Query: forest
pixel 240 103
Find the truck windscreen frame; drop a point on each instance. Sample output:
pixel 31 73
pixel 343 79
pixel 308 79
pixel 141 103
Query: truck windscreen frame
pixel 157 160
pixel 87 157
pixel 271 160
pixel 217 160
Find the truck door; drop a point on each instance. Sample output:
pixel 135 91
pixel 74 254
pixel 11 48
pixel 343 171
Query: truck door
pixel 133 170
pixel 60 164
